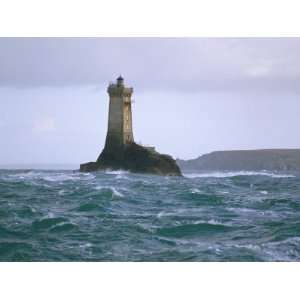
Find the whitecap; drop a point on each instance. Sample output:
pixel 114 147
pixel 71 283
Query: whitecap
pixel 121 176
pixel 116 193
pixel 61 192
pixel 196 191
pixel 86 245
pixel 160 214
pixel 116 172
pixel 214 222
pixel 242 210
pixel 264 192
pixel 249 246
pixel 54 177
pixel 58 177
pixel 26 175
pixel 238 173
pixel 210 221
pixel 99 187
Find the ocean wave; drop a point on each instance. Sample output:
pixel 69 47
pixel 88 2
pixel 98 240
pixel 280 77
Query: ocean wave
pixel 181 212
pixel 50 176
pixel 210 221
pixel 62 192
pixel 88 207
pixel 48 223
pixel 264 192
pixel 189 230
pixel 15 250
pixel 165 219
pixel 121 176
pixel 283 250
pixel 67 177
pixel 116 192
pixel 196 191
pixel 25 175
pixel 63 226
pixel 113 190
pixel 238 173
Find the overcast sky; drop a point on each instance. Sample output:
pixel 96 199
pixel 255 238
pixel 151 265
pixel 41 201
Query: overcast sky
pixel 192 96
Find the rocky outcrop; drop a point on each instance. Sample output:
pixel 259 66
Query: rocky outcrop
pixel 134 158
pixel 248 160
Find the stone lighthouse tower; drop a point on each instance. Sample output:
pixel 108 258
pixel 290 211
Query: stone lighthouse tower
pixel 120 150
pixel 119 132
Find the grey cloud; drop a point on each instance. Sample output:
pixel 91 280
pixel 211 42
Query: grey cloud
pixel 186 64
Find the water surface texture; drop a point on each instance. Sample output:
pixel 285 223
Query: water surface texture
pixel 117 216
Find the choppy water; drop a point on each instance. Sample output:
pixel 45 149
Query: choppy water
pixel 69 216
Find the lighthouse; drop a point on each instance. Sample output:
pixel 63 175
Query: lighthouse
pixel 120 150
pixel 119 130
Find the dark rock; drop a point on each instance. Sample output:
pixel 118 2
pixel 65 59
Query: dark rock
pixel 134 158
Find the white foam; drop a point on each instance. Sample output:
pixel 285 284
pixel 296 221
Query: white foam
pixel 99 187
pixel 249 246
pixel 64 177
pixel 242 210
pixel 116 172
pixel 160 214
pixel 121 176
pixel 59 177
pixel 264 192
pixel 196 191
pixel 86 176
pixel 52 176
pixel 61 192
pixel 116 192
pixel 233 174
pixel 86 245
pixel 210 221
pixel 26 175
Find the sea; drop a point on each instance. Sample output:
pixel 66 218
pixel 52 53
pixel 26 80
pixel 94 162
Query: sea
pixel 65 215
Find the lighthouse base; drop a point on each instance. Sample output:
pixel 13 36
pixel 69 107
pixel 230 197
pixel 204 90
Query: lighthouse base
pixel 134 158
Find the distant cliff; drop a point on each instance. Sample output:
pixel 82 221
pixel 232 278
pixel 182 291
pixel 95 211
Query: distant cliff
pixel 248 160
